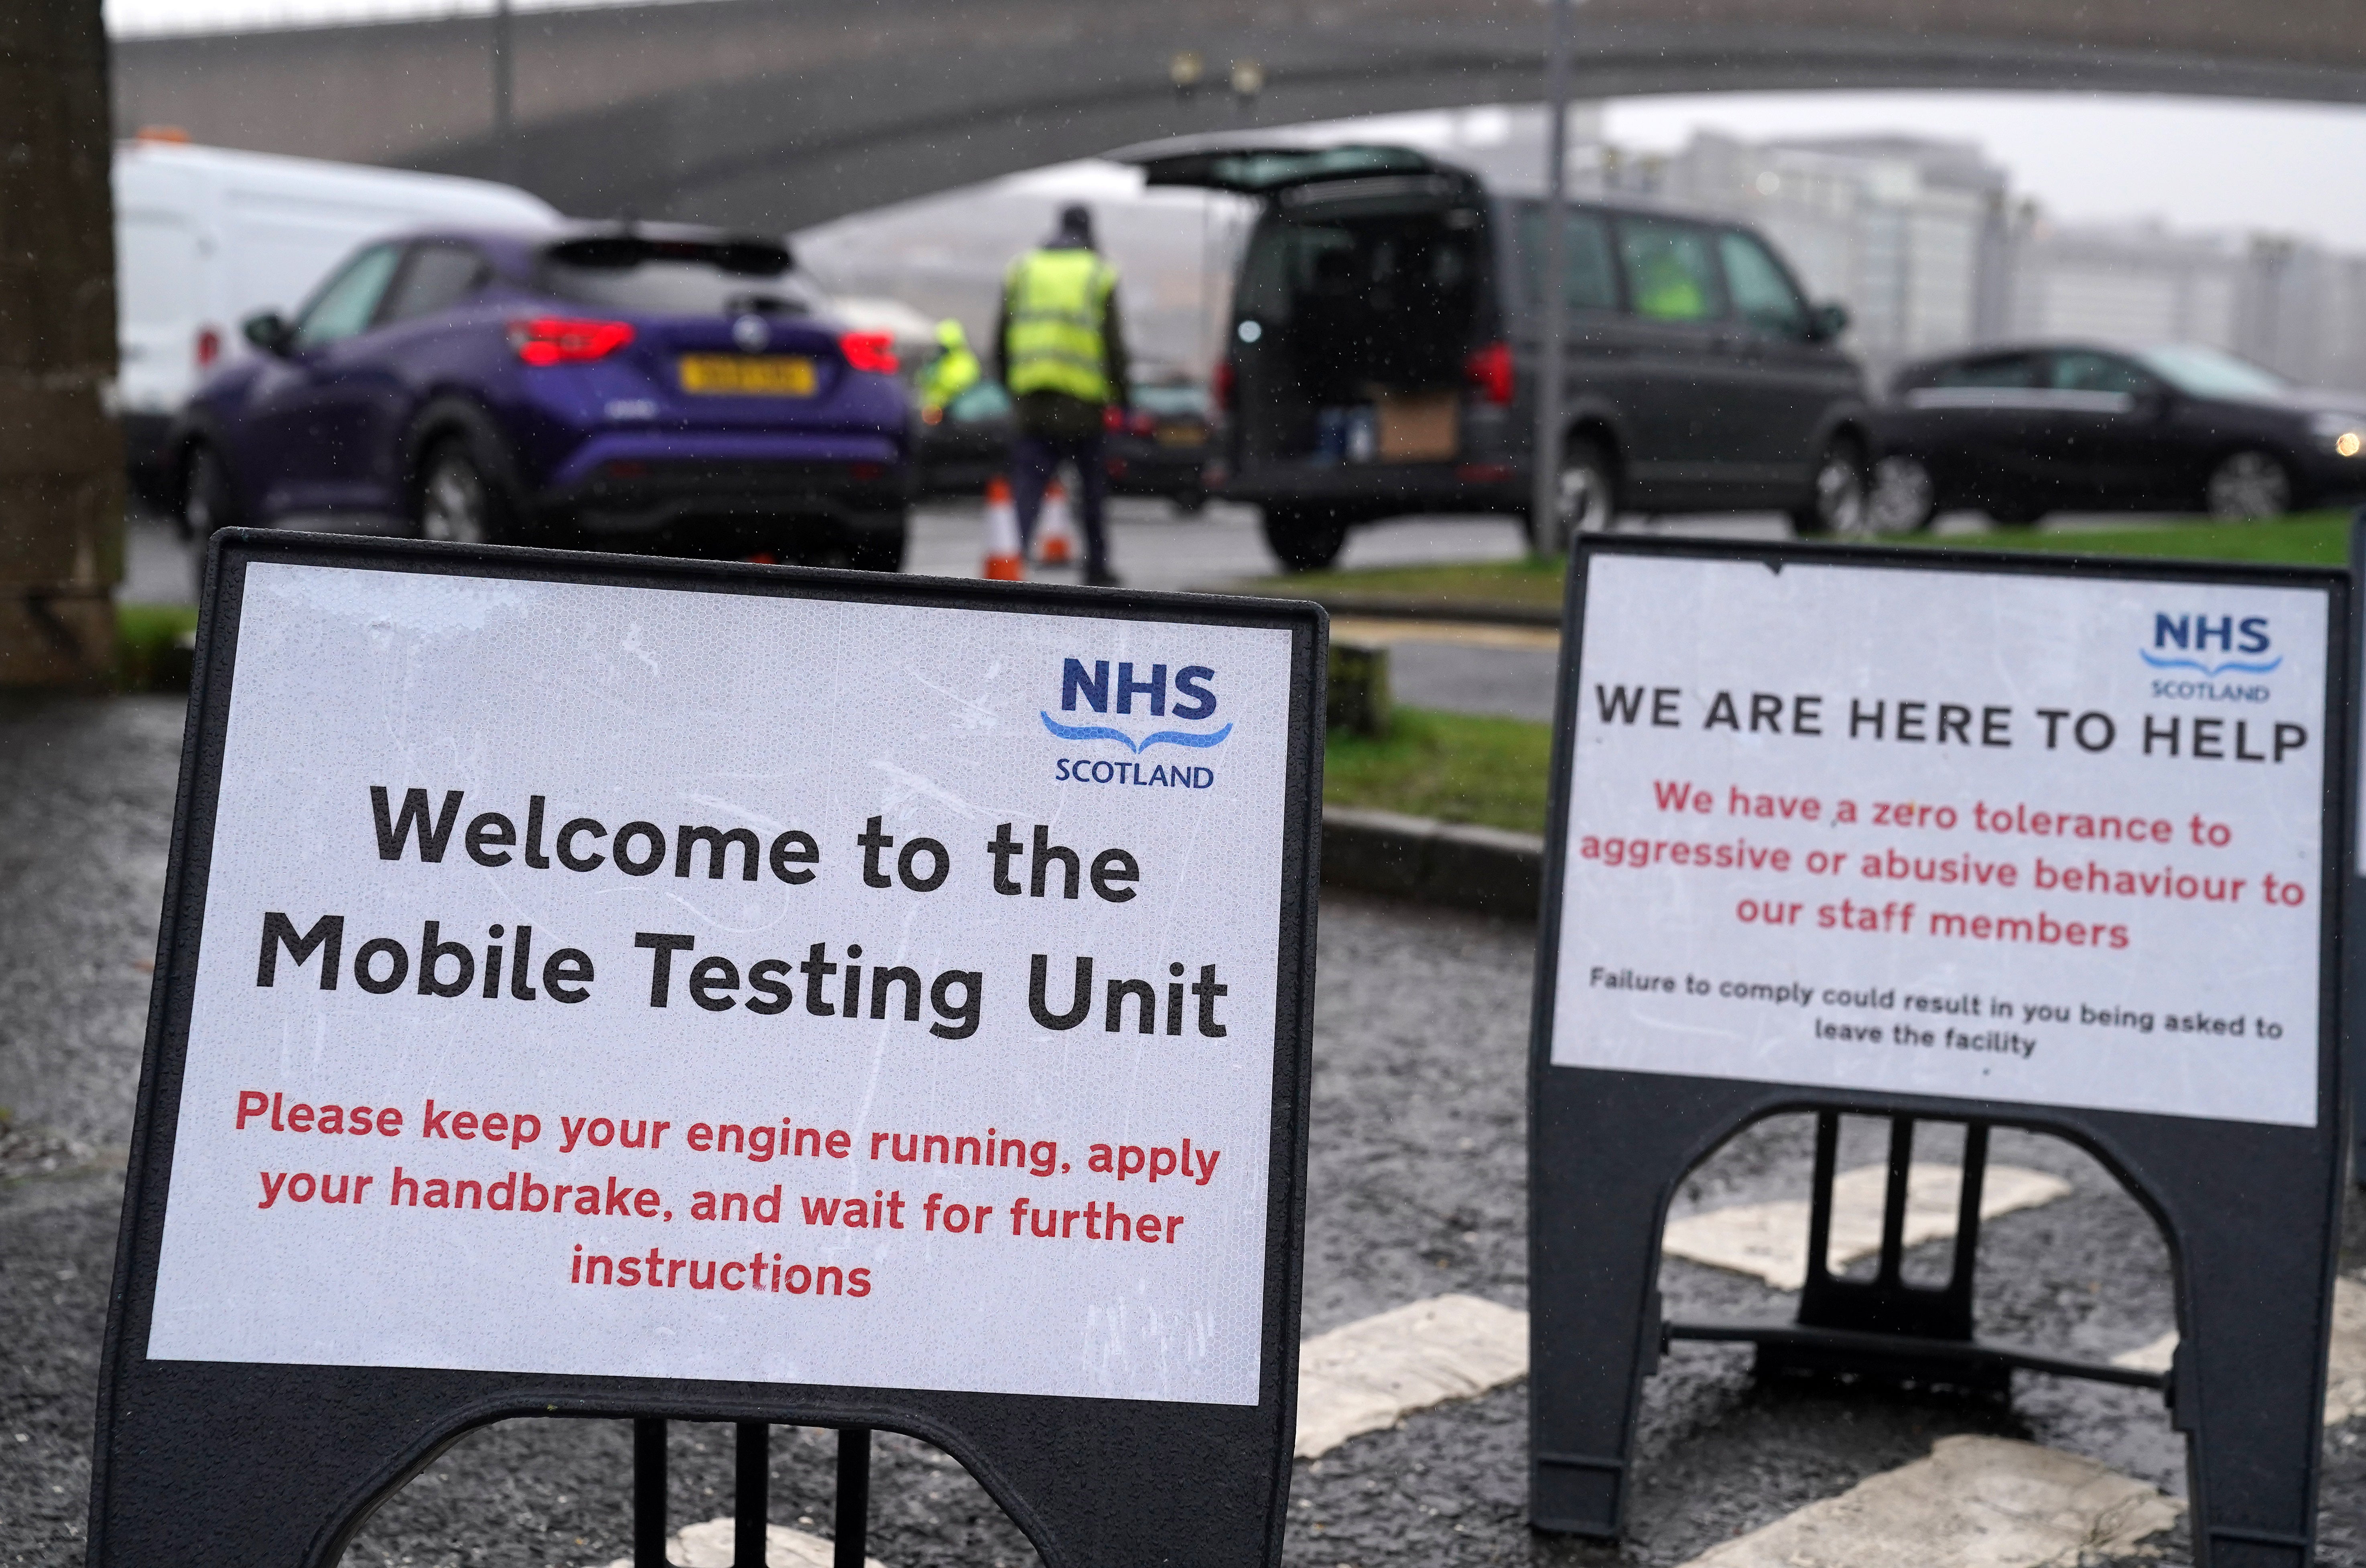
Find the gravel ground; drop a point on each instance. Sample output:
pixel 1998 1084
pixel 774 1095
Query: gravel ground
pixel 1421 1021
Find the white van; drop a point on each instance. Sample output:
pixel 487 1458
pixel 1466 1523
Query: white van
pixel 206 236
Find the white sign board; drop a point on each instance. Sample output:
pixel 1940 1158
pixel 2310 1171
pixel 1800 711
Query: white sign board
pixel 643 982
pixel 1998 836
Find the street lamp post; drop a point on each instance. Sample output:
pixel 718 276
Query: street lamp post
pixel 1552 285
pixel 505 138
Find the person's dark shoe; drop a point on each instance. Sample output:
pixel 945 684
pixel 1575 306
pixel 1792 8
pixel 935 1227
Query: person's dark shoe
pixel 1102 580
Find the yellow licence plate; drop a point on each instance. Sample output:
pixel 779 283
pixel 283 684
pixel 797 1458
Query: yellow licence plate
pixel 1181 434
pixel 748 375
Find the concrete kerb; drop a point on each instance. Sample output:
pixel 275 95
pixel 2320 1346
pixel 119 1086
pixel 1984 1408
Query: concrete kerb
pixel 1486 869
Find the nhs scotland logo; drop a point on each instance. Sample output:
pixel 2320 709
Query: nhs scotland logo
pixel 2186 642
pixel 1145 693
pixel 1094 690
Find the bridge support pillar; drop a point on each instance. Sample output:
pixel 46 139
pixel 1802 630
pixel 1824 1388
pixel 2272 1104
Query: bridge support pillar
pixel 61 489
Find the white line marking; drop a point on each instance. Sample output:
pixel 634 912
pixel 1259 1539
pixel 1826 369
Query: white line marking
pixel 2152 1357
pixel 1974 1503
pixel 2345 1380
pixel 1770 1240
pixel 1369 1375
pixel 709 1545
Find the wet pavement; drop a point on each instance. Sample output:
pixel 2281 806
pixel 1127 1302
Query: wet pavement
pixel 1417 1174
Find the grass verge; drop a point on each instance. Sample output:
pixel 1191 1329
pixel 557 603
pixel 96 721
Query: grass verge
pixel 1454 766
pixel 1533 581
pixel 151 647
pixel 2316 539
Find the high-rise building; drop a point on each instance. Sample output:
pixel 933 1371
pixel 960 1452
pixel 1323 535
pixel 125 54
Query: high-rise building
pixel 1925 243
pixel 2131 283
pixel 1909 233
pixel 2291 305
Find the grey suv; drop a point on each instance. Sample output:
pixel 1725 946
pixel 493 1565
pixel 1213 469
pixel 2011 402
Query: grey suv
pixel 1382 355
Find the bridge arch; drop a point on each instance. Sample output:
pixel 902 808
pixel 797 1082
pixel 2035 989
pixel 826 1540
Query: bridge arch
pixel 782 113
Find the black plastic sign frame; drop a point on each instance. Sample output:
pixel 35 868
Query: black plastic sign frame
pixel 245 1465
pixel 2250 1209
pixel 2354 1011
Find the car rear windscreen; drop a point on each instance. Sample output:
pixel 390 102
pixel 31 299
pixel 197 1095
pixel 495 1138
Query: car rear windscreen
pixel 1170 398
pixel 674 278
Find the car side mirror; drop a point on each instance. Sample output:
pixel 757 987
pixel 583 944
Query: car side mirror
pixel 269 332
pixel 2153 402
pixel 1827 321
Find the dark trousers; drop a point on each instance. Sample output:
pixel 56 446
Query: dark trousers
pixel 1035 458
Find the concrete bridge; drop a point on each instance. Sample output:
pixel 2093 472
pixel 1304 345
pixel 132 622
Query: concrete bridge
pixel 776 113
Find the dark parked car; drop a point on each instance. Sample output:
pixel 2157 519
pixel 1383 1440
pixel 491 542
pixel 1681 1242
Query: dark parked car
pixel 1160 446
pixel 1157 447
pixel 966 443
pixel 645 388
pixel 2020 432
pixel 1382 356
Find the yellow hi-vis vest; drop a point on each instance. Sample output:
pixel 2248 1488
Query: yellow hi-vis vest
pixel 1056 302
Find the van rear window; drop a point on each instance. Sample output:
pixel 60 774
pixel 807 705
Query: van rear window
pixel 1385 298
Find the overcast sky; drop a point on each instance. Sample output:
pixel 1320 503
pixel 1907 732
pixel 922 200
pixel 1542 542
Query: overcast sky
pixel 2195 163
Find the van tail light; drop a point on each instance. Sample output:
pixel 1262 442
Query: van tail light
pixel 1489 371
pixel 209 348
pixel 1219 386
pixel 562 340
pixel 873 352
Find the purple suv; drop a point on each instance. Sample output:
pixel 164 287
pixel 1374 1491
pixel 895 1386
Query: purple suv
pixel 653 388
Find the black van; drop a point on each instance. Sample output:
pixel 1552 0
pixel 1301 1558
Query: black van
pixel 1384 339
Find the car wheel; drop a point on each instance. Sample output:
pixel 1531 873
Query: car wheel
pixel 1585 501
pixel 878 545
pixel 1838 506
pixel 1304 540
pixel 2249 486
pixel 207 502
pixel 2016 513
pixel 1904 497
pixel 457 504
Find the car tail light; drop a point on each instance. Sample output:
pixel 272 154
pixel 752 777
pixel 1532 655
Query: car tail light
pixel 1112 419
pixel 873 352
pixel 867 470
pixel 561 340
pixel 1219 386
pixel 1489 370
pixel 209 341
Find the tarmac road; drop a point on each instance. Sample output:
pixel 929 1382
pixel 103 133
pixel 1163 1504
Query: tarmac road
pixel 1417 1178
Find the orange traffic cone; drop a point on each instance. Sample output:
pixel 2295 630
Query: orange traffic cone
pixel 1056 530
pixel 1003 561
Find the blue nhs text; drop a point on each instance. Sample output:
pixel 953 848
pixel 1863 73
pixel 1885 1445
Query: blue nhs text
pixel 1193 700
pixel 2226 634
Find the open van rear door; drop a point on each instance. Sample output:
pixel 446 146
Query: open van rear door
pixel 1258 169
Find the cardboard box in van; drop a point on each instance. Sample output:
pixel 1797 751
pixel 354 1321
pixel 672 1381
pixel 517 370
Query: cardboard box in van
pixel 1418 427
